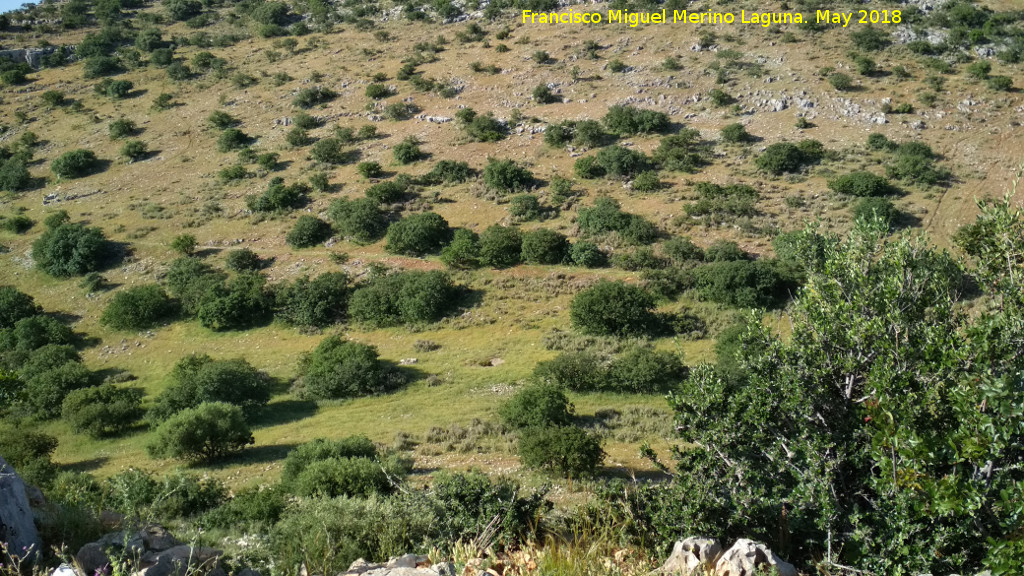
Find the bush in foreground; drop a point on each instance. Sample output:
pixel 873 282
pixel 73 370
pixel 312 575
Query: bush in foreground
pixel 205 433
pixel 70 250
pixel 101 411
pixel 343 369
pixel 566 450
pixel 613 308
pixel 138 308
pixel 540 404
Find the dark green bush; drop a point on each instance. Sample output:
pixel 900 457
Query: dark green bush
pixel 539 404
pixel 102 410
pixel 463 252
pixel 134 150
pixel 447 172
pixel 725 251
pixel 190 279
pixel 222 120
pixel 482 127
pixel 525 207
pixel 544 246
pixel 878 141
pixel 644 370
pixel 339 369
pixel 75 164
pixel 682 250
pixel 587 254
pixel 506 177
pixel 783 157
pixel 15 305
pixel 28 452
pixel 243 259
pixel 308 231
pixel 607 216
pixel 468 500
pixel 138 308
pixel 720 203
pixel 14 175
pixel 388 192
pixel 577 371
pixel 741 283
pixel 408 151
pixel 329 151
pixel 418 234
pixel 205 433
pixel 840 81
pixel 70 250
pixel 378 91
pixel 241 302
pixel 404 298
pixel 640 259
pixel 309 97
pixel 620 162
pixel 46 390
pixel 250 509
pixel 868 208
pixel 360 219
pixel 860 184
pixel 279 197
pixel 630 121
pixel 613 308
pixel 232 139
pixel 736 133
pixel 681 152
pixel 17 224
pixel 199 378
pixel 370 169
pixel 567 451
pixel 501 246
pixel 319 302
pixel 342 477
pixel 321 449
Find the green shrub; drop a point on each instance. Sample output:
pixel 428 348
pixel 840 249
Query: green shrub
pixel 644 370
pixel 339 369
pixel 543 95
pixel 232 139
pixel 540 404
pixel 308 231
pixel 279 197
pixel 378 91
pixel 506 177
pixel 840 81
pixel 17 224
pixel 720 98
pixel 32 333
pixel 566 451
pixel 98 66
pixel 682 250
pixel 870 38
pixel 500 246
pixel 408 151
pixel 1000 83
pixel 630 121
pixel 607 216
pixel 418 234
pixel 28 452
pixel 75 164
pixel 639 259
pixel 915 162
pixel 15 305
pixel 860 184
pixel 319 302
pixel 138 308
pixel 463 252
pixel 102 410
pixel 646 181
pixel 736 133
pixel 405 298
pixel 399 111
pixel 613 308
pixel 577 371
pixel 250 509
pixel 46 389
pixel 447 172
pixel 883 208
pixel 741 283
pixel 329 151
pixel 724 251
pixel 360 219
pixel 544 246
pixel 121 128
pixel 878 141
pixel 70 250
pixel 14 175
pixel 322 449
pixel 342 477
pixel 309 97
pixel 243 260
pixel 241 302
pixel 134 150
pixel 680 152
pixel 199 378
pixel 783 157
pixel 205 433
pixel 617 161
pixel 468 500
pixel 53 98
pixel 525 207
pixel 587 254
pixel 370 169
pixel 482 127
pixel 720 203
pixel 388 192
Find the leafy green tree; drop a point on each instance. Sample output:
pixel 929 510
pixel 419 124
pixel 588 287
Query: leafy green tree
pixel 241 302
pixel 506 177
pixel 540 404
pixel 15 305
pixel 408 151
pixel 587 254
pixel 45 391
pixel 199 378
pixel 184 244
pixel 329 151
pixel 418 234
pixel 736 133
pixel 279 197
pixel 463 252
pixel 28 451
pixel 189 279
pixel 545 246
pixel 565 450
pixel 321 449
pixel 14 175
pixel 360 219
pixel 413 297
pixel 644 370
pixel 630 121
pixel 577 371
pixel 138 308
pixel 343 369
pixel 353 477
pixel 205 433
pixel 886 426
pixel 319 302
pixel 308 231
pixel 613 308
pixel 70 250
pixel 881 208
pixel 75 164
pixel 101 411
pixel 501 246
pixel 606 216
pixel 861 184
pixel 242 260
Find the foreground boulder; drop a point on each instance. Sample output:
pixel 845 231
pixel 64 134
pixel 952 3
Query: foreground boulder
pixel 748 558
pixel 407 565
pixel 17 527
pixel 692 556
pixel 152 551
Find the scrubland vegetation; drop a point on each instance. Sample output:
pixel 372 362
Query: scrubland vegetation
pixel 359 279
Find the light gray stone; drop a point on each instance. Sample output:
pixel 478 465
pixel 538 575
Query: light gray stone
pixel 747 558
pixel 17 527
pixel 691 555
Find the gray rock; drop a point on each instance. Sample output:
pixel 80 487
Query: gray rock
pixel 747 558
pixel 692 555
pixel 91 557
pixel 17 527
pixel 157 538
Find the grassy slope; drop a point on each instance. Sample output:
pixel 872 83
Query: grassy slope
pixel 520 305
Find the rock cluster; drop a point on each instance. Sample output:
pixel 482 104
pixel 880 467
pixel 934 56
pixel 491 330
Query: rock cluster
pixel 407 565
pixel 706 556
pixel 152 551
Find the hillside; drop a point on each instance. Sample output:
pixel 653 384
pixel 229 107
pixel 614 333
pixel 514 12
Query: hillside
pixel 265 125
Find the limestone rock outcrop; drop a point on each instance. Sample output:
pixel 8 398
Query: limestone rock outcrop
pixel 17 526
